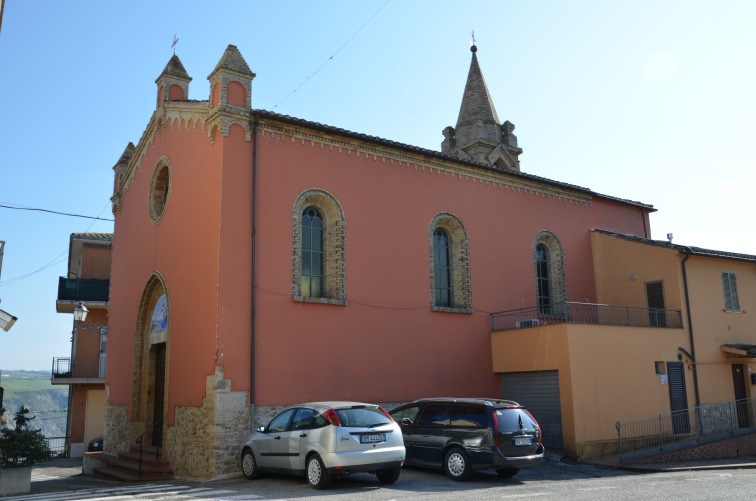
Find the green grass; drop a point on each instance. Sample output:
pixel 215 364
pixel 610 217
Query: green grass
pixel 19 381
pixel 34 390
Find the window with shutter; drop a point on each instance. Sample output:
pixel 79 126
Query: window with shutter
pixel 730 287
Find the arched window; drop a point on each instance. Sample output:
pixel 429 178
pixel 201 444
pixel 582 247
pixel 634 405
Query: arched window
pixel 312 253
pixel 550 276
pixel 542 279
pixel 441 269
pixel 318 272
pixel 449 265
pixel 159 190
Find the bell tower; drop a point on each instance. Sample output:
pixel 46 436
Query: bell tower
pixel 173 82
pixel 478 136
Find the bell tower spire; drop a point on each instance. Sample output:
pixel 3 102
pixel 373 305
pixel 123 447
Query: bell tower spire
pixel 478 135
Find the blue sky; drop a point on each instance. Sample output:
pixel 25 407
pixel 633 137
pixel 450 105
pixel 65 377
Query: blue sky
pixel 644 100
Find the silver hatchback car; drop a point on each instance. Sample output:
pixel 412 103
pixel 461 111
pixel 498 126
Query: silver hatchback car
pixel 325 439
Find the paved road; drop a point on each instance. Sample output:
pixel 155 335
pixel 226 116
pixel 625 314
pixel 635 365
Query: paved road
pixel 554 480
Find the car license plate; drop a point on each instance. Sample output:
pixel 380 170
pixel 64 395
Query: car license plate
pixel 523 441
pixel 371 439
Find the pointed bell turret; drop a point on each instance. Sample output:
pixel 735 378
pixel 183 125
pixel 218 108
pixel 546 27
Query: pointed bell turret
pixel 173 82
pixel 231 81
pixel 478 135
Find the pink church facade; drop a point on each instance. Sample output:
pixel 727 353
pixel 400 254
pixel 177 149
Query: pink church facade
pixel 261 260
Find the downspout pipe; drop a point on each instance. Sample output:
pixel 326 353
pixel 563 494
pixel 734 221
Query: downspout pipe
pixel 692 353
pixel 253 351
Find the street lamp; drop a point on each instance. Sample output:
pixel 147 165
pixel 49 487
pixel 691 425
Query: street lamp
pixel 80 315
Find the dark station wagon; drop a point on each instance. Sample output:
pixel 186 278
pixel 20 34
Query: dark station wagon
pixel 462 435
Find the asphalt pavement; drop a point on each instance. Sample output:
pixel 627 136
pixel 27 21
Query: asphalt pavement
pixel 67 473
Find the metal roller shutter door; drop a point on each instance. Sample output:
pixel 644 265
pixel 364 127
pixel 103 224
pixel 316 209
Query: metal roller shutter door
pixel 539 393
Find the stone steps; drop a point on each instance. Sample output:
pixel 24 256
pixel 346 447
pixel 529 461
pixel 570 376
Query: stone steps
pixel 125 466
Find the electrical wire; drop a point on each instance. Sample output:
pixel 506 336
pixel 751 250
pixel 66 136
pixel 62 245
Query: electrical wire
pixel 60 257
pixel 333 55
pixel 21 207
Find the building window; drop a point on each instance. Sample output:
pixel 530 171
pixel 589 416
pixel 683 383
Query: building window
pixel 160 189
pixel 449 265
pixel 542 279
pixel 730 291
pixel 550 276
pixel 442 268
pixel 318 249
pixel 312 253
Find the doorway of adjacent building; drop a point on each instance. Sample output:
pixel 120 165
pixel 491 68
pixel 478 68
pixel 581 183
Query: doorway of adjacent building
pixel 678 400
pixel 655 299
pixel 158 403
pixel 741 402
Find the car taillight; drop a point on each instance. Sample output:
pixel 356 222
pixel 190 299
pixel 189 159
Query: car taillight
pixel 386 413
pixel 540 433
pixel 497 438
pixel 331 417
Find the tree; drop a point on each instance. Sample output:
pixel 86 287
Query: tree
pixel 21 446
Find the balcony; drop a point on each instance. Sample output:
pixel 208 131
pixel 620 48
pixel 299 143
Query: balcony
pixel 78 370
pixel 87 290
pixel 586 313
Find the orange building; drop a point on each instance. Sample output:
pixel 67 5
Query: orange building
pixel 261 260
pixel 668 340
pixel 85 287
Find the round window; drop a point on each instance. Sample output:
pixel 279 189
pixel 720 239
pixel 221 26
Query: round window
pixel 159 191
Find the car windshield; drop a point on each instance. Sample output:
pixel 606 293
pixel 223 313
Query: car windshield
pixel 362 417
pixel 514 419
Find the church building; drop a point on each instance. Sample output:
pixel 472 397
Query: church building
pixel 262 260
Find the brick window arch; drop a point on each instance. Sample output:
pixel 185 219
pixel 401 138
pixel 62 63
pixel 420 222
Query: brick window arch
pixel 550 277
pixel 318 249
pixel 449 264
pixel 160 190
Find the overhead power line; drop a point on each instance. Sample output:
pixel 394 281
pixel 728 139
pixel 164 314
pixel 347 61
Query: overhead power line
pixel 333 55
pixel 19 207
pixel 60 257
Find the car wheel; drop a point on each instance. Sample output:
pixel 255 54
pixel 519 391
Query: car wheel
pixel 249 465
pixel 457 464
pixel 317 475
pixel 508 472
pixel 388 476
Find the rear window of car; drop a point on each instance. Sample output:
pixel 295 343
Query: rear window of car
pixel 362 417
pixel 509 419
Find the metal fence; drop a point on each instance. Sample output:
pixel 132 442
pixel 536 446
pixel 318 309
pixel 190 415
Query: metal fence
pixel 660 433
pixel 78 367
pixel 585 313
pixel 81 289
pixel 60 447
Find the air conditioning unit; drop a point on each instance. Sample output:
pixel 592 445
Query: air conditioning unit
pixel 527 323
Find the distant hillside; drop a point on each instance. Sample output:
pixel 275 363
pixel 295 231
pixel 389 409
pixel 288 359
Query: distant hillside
pixel 33 389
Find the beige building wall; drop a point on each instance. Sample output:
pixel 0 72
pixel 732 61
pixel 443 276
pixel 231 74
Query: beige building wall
pixel 606 374
pixel 714 327
pixel 617 260
pixel 623 268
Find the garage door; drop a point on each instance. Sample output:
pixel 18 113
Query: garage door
pixel 539 393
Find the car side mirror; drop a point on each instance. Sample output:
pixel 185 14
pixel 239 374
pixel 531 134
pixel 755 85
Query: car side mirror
pixel 261 429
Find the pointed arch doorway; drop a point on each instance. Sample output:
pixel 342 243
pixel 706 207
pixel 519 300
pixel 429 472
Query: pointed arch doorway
pixel 151 349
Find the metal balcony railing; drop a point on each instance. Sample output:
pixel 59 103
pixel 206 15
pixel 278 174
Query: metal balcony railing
pixel 79 289
pixel 78 368
pixel 60 447
pixel 585 313
pixel 660 433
